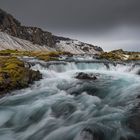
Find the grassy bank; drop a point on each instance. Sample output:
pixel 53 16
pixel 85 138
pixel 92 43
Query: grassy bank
pixel 46 56
pixel 13 73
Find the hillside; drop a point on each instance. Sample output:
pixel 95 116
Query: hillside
pixel 13 35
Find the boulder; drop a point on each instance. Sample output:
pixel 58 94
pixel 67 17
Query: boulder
pixel 88 134
pixel 134 119
pixel 85 76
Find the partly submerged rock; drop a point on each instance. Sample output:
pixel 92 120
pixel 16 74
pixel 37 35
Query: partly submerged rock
pixel 88 134
pixel 134 123
pixel 133 120
pixel 85 76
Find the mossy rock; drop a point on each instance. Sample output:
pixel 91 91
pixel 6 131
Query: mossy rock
pixel 110 56
pixel 120 55
pixel 14 75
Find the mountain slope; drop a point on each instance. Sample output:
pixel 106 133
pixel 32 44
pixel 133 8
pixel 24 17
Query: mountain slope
pixel 10 42
pixel 15 36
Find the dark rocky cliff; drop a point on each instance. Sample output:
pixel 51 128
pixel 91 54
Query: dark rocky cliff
pixel 13 27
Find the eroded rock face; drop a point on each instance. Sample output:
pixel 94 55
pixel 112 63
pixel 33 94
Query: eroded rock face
pixel 13 27
pixel 85 76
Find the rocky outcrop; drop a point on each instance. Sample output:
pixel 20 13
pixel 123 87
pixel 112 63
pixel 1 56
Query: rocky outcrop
pixel 11 26
pixel 88 134
pixel 120 55
pixel 75 46
pixel 33 38
pixel 85 76
pixel 14 43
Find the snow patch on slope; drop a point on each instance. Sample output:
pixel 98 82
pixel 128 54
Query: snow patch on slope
pixel 76 47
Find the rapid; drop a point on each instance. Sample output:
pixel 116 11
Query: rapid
pixel 62 107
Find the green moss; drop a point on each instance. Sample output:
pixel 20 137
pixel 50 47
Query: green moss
pixel 46 56
pixel 120 55
pixel 49 56
pixel 110 56
pixel 7 52
pixel 14 75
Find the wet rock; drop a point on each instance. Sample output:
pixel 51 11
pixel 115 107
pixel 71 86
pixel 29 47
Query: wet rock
pixel 88 134
pixel 63 109
pixel 85 76
pixel 107 65
pixel 138 73
pixel 129 138
pixel 138 96
pixel 87 87
pixel 134 120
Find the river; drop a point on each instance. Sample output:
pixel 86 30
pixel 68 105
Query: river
pixel 61 107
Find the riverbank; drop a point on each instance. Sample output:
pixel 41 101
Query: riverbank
pixel 14 75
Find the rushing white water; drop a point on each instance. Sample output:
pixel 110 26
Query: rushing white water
pixel 61 107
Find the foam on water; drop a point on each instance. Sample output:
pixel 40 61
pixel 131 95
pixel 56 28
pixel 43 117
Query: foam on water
pixel 61 107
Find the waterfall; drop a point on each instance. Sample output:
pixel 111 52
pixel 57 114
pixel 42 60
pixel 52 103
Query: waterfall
pixel 90 65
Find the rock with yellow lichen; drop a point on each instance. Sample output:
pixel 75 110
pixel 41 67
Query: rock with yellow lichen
pixel 117 55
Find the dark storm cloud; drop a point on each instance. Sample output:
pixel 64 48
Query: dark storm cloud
pixel 95 17
pixel 74 14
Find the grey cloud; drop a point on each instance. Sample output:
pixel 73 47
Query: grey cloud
pixel 71 14
pixel 93 17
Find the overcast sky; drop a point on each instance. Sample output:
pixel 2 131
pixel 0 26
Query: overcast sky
pixel 110 24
